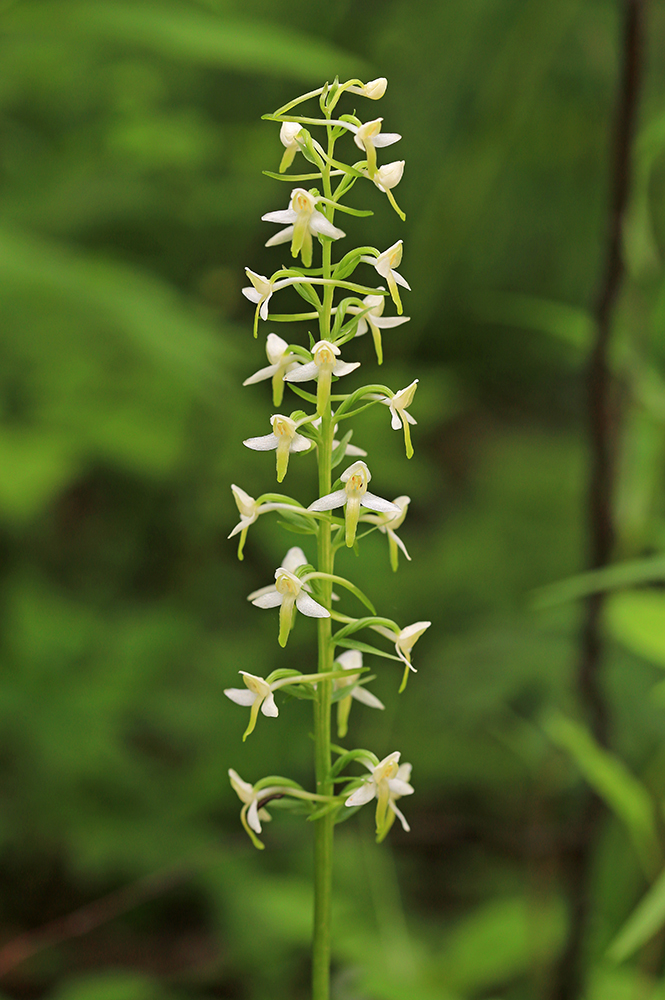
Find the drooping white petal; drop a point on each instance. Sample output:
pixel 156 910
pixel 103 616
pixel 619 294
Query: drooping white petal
pixel 362 795
pixel 319 224
pixel 400 815
pixel 253 817
pixel 261 375
pixel 270 600
pixel 361 694
pixel 269 707
pixel 398 787
pixel 267 442
pixel 283 236
pixel 330 501
pixel 284 216
pixel 345 367
pixel 386 139
pixel 378 503
pixel 304 373
pixel 308 606
pixel 241 696
pixel 300 443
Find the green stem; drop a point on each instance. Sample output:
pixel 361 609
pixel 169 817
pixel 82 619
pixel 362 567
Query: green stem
pixel 324 827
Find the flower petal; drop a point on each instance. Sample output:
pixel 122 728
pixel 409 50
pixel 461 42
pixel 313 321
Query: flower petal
pixel 269 707
pixel 362 795
pixel 345 367
pixel 303 374
pixel 400 815
pixel 378 503
pixel 241 696
pixel 330 501
pixel 285 216
pixel 261 375
pixel 361 694
pixel 283 236
pixel 308 606
pixel 268 442
pixel 271 600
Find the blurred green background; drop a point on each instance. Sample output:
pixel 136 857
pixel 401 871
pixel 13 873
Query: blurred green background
pixel 131 151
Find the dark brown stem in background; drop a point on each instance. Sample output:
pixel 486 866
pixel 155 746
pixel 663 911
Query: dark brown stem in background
pixel 602 422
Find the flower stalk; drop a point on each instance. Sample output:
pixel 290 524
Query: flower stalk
pixel 301 586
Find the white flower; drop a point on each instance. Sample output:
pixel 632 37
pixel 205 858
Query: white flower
pixel 257 694
pixel 388 524
pixel 353 496
pixel 251 814
pixel 398 406
pixel 404 643
pixel 322 367
pixel 249 511
pixel 288 593
pixel 385 264
pixel 284 439
pixel 389 175
pixel 303 220
pixel 261 292
pixel 282 360
pixel 368 138
pixel 352 660
pixel 374 89
pixel 288 135
pixel 388 782
pixel 376 321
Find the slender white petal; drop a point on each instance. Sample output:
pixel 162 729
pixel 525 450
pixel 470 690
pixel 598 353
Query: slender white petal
pixel 253 817
pixel 268 442
pixel 308 606
pixel 345 367
pixel 261 375
pixel 269 708
pixel 361 694
pixel 304 373
pixel 362 795
pixel 400 815
pixel 400 787
pixel 330 501
pixel 283 236
pixel 283 216
pixel 241 696
pixel 271 600
pixel 378 503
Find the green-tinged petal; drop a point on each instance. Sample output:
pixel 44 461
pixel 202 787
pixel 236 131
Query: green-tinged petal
pixel 394 293
pixel 378 346
pixel 394 554
pixel 407 671
pixel 248 830
pixel 323 391
pixel 352 512
pixel 407 437
pixel 283 450
pixel 241 543
pixel 343 709
pixel 382 808
pixel 390 819
pixel 277 388
pixel 286 614
pixel 253 715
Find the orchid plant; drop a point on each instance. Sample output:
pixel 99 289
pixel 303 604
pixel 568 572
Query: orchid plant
pixel 343 308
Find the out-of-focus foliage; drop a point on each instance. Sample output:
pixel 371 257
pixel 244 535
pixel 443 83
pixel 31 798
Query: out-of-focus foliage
pixel 131 151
